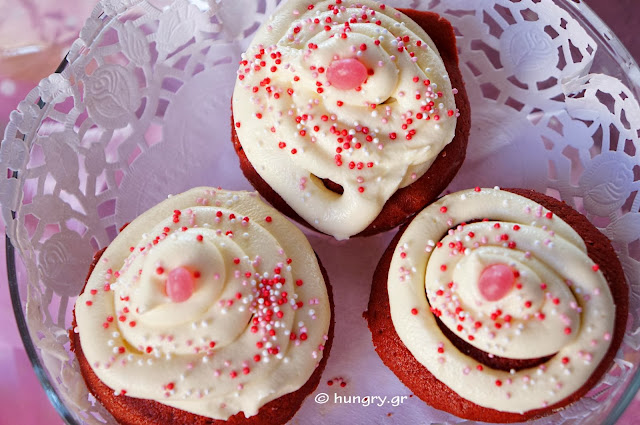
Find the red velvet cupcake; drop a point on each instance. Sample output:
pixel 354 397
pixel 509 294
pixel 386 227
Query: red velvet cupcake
pixel 350 116
pixel 498 305
pixel 210 308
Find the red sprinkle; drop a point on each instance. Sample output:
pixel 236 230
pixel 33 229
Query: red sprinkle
pixel 414 311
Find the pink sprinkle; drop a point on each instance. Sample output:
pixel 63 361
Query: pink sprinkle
pixel 179 285
pixel 347 74
pixel 496 281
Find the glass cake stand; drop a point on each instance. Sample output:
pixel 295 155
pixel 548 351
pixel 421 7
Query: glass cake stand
pixel 554 100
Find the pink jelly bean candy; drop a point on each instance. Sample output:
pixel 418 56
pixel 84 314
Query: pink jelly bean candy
pixel 180 284
pixel 496 281
pixel 346 74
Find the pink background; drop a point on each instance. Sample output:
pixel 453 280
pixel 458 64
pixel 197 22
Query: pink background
pixel 40 24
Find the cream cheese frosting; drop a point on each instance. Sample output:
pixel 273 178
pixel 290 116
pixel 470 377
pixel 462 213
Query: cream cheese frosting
pixel 297 128
pixel 244 323
pixel 558 305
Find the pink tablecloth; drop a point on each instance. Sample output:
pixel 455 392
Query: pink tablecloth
pixel 22 399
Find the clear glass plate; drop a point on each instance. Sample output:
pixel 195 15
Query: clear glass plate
pixel 554 109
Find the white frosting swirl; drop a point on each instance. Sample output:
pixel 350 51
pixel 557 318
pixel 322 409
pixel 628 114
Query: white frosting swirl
pixel 559 305
pixel 296 128
pixel 253 329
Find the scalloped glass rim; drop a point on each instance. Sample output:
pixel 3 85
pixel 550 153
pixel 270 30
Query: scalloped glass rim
pixel 588 18
pixel 578 9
